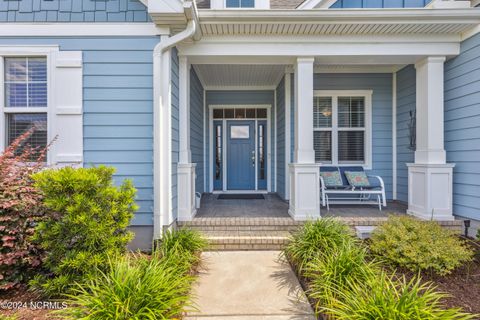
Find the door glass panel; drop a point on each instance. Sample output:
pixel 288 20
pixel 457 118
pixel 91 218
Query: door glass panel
pixel 261 149
pixel 218 152
pixel 239 132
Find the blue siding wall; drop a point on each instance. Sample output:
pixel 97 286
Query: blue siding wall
pixel 462 127
pixel 118 124
pixel 344 4
pixel 175 131
pixel 381 84
pixel 280 108
pixel 197 128
pixel 72 11
pixel 238 97
pixel 406 102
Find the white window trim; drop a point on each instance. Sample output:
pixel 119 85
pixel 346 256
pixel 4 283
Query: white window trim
pixel 222 4
pixel 33 51
pixel 334 94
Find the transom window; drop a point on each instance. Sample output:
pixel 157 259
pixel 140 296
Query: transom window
pixel 341 124
pixel 240 3
pixel 25 99
pixel 240 113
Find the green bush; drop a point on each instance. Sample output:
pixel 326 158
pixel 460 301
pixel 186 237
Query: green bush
pixel 384 297
pixel 88 224
pixel 337 272
pixel 141 287
pixel 419 245
pixel 320 236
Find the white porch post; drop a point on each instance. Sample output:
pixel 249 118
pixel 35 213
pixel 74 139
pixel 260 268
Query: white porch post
pixel 304 172
pixel 185 169
pixel 430 177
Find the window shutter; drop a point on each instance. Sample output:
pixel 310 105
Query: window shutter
pixel 67 116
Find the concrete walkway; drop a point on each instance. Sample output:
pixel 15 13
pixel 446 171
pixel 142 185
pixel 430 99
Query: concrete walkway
pixel 247 285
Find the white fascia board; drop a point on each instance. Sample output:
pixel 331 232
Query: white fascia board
pixel 81 29
pixel 316 4
pixel 419 15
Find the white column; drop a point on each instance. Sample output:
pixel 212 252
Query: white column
pixel 430 177
pixel 304 172
pixel 185 169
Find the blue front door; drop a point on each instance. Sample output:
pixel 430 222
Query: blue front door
pixel 241 155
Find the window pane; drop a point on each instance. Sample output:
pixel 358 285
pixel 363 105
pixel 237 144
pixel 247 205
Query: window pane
pixel 19 123
pixel 351 146
pixel 15 69
pixel 233 3
pixel 262 113
pixel 229 113
pixel 239 113
pixel 322 112
pixel 248 3
pixel 351 112
pixel 322 144
pixel 217 113
pixel 26 82
pixel 251 113
pixel 239 132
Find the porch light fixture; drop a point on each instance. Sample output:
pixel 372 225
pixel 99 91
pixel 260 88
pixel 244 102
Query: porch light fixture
pixel 327 113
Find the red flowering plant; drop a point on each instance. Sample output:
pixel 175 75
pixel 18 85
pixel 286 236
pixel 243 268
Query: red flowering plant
pixel 20 210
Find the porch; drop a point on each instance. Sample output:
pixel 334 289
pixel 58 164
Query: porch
pixel 272 206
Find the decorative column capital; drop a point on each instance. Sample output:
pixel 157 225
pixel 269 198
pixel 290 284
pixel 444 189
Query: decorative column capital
pixel 434 59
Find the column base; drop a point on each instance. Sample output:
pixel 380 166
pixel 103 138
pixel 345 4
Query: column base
pixel 186 191
pixel 430 191
pixel 304 191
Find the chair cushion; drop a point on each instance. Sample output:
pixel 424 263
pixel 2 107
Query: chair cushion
pixel 332 178
pixel 351 169
pixel 357 178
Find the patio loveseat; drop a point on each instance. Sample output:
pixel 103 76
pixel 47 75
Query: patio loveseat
pixel 350 185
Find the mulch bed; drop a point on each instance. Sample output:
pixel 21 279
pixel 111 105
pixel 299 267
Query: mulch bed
pixel 463 284
pixel 10 305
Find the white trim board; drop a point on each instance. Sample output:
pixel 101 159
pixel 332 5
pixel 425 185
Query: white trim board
pixel 81 29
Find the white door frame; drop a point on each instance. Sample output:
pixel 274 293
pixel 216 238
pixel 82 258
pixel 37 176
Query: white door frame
pixel 224 151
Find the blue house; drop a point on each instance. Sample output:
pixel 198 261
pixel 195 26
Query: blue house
pixel 251 97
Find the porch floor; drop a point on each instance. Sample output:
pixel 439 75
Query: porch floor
pixel 274 206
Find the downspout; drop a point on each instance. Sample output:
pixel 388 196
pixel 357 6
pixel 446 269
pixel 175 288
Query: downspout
pixel 161 123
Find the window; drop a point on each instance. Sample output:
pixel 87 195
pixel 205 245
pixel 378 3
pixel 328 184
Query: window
pixel 239 132
pixel 341 124
pixel 240 3
pixel 240 113
pixel 25 99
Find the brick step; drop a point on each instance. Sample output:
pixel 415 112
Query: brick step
pixel 247 240
pixel 241 224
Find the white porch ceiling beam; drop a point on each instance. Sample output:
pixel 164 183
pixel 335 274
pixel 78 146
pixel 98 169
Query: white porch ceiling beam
pixel 320 49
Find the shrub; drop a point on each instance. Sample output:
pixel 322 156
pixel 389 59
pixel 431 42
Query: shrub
pixel 89 224
pixel 20 211
pixel 139 287
pixel 337 272
pixel 320 236
pixel 182 241
pixel 384 297
pixel 419 245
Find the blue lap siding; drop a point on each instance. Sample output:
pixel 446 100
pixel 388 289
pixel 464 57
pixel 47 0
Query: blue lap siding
pixel 197 128
pixel 73 11
pixel 462 127
pixel 406 103
pixel 117 93
pixel 281 165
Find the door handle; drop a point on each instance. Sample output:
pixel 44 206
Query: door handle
pixel 253 158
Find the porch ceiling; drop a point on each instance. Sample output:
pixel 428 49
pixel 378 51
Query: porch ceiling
pixel 236 76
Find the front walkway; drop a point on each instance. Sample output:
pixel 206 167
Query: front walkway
pixel 248 285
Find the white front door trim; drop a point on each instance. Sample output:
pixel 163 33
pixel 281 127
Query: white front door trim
pixel 224 149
